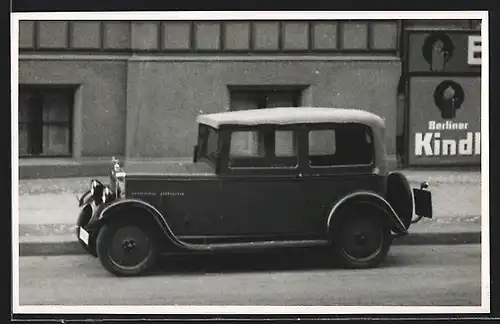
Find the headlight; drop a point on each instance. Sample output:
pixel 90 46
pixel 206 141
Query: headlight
pixel 96 188
pixel 93 186
pixel 107 195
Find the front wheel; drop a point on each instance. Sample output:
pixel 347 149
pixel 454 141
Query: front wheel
pixel 362 242
pixel 126 248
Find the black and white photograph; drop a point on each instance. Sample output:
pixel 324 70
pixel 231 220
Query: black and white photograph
pixel 327 162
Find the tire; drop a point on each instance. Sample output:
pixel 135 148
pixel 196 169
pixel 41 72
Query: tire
pixel 136 244
pixel 362 241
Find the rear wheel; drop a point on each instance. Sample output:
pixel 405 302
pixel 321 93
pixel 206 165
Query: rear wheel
pixel 362 241
pixel 126 248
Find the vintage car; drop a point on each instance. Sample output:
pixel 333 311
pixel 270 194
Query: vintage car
pixel 259 179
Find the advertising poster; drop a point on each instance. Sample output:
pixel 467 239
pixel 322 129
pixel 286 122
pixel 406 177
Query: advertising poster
pixel 444 51
pixel 444 120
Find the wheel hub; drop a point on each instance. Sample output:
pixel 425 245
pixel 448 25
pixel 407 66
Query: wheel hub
pixel 129 245
pixel 361 240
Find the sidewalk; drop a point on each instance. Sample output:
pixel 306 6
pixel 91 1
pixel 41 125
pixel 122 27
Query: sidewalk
pixel 48 211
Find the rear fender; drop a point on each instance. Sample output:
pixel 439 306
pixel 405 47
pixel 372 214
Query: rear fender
pixel 115 210
pixel 373 199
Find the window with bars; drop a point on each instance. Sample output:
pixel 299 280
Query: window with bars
pixel 265 97
pixel 45 121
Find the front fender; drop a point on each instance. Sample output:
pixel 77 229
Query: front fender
pixel 113 210
pixel 84 199
pixel 373 199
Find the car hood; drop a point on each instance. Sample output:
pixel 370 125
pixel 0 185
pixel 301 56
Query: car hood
pixel 168 168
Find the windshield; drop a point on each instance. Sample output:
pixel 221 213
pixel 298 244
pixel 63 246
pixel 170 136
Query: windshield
pixel 207 143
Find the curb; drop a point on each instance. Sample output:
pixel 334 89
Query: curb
pixel 450 238
pixel 74 247
pixel 50 248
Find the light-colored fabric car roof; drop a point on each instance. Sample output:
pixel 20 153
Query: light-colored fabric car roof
pixel 291 115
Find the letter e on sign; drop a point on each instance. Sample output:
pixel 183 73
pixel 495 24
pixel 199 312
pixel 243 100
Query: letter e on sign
pixel 474 50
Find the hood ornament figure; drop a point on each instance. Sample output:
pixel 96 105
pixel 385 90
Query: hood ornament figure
pixel 116 164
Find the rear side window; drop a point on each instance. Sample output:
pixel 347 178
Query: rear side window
pixel 322 142
pixel 340 145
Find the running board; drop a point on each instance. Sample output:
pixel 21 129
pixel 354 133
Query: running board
pixel 263 245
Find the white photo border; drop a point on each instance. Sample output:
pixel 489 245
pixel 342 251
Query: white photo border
pixel 255 15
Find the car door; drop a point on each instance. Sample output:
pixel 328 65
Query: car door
pixel 262 185
pixel 261 206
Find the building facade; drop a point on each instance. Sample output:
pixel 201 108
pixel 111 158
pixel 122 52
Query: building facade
pixel 96 89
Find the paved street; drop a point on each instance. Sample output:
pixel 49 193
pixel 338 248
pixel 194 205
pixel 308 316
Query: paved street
pixel 413 275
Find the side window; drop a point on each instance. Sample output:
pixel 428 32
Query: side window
pixel 266 148
pixel 285 145
pixel 322 147
pixel 343 145
pixel 246 144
